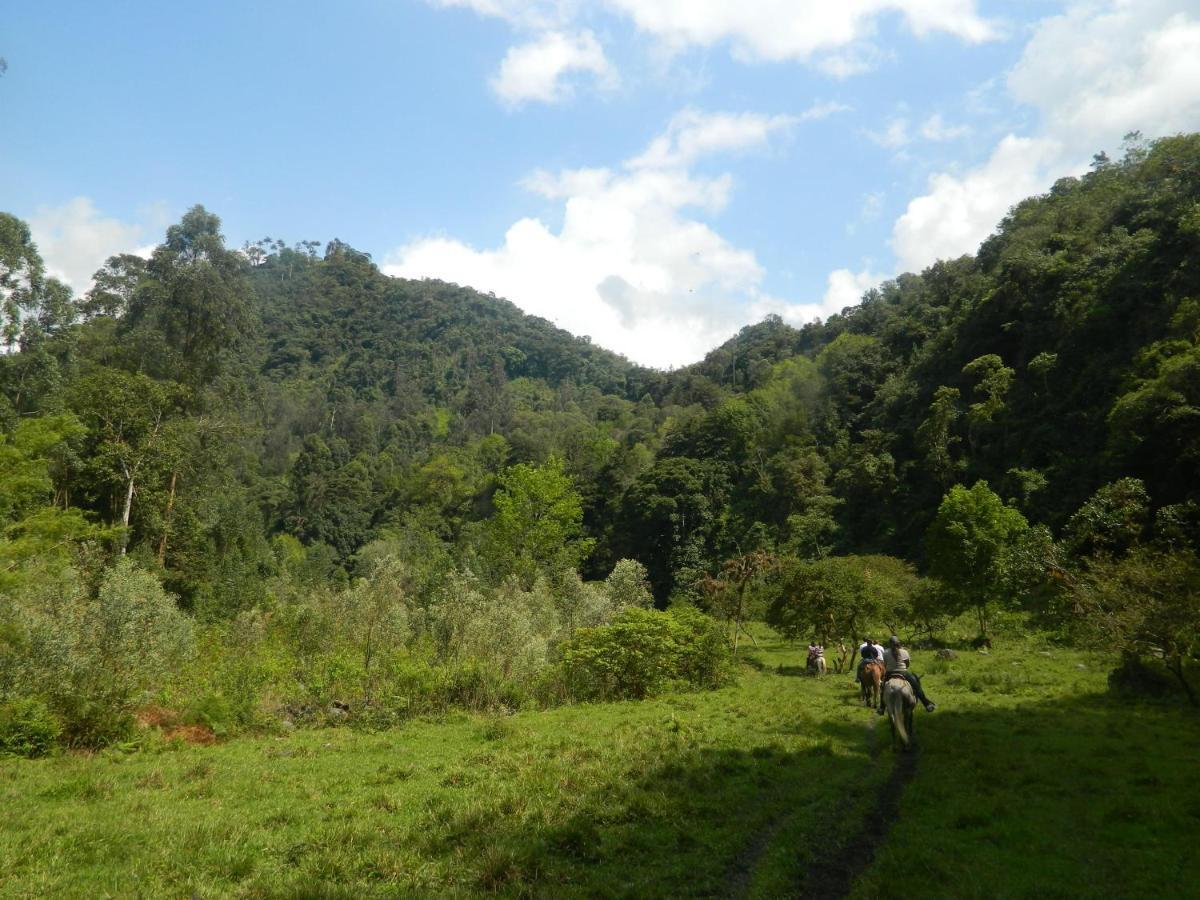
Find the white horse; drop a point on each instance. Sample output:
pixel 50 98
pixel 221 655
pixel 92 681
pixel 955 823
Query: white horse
pixel 899 700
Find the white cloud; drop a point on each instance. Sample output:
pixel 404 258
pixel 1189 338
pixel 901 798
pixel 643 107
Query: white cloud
pixel 959 211
pixel 537 14
pixel 1094 73
pixel 894 136
pixel 692 134
pixel 843 288
pixel 632 265
pixel 535 71
pixel 1100 70
pixel 836 38
pixel 935 129
pixel 779 30
pixel 75 239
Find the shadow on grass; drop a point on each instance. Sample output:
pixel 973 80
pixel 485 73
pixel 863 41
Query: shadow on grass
pixel 1036 798
pixel 1032 800
pixel 1047 798
pixel 698 825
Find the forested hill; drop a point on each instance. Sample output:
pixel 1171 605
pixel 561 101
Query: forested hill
pixel 1060 357
pixel 237 412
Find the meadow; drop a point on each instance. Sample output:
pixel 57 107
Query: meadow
pixel 1029 780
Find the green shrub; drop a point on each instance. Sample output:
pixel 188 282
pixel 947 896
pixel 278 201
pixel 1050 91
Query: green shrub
pixel 27 728
pixel 642 653
pixel 93 659
pixel 703 659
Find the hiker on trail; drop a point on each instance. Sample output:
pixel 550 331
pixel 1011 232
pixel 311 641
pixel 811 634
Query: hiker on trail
pixel 895 663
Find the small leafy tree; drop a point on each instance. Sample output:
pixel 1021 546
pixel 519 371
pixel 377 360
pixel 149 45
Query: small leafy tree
pixel 538 523
pixel 838 598
pixel 970 545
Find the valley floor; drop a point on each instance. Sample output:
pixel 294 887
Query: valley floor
pixel 1029 781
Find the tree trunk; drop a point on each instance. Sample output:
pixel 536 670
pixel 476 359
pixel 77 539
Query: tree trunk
pixel 162 545
pixel 125 515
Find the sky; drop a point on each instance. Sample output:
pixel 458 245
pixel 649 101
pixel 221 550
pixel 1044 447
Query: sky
pixel 655 174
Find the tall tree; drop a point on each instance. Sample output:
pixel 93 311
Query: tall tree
pixel 129 418
pixel 195 296
pixel 21 276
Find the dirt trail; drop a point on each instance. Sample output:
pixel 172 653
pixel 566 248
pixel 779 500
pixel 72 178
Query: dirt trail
pixel 741 873
pixel 833 875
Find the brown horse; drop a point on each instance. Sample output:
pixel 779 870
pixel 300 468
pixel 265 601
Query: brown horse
pixel 870 678
pixel 899 699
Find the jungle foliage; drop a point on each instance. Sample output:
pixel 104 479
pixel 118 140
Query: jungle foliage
pixel 267 432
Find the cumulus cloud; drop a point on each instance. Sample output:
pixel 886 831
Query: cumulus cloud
pixel 75 239
pixel 1100 70
pixel 836 38
pixel 959 211
pixel 779 30
pixel 1093 73
pixel 536 71
pixel 632 265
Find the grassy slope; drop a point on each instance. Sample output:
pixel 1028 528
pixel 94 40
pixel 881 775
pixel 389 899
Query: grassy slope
pixel 1022 791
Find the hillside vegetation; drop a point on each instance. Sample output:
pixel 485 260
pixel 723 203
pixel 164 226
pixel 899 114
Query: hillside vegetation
pixel 246 494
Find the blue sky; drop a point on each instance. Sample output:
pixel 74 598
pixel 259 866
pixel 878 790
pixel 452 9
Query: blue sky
pixel 653 173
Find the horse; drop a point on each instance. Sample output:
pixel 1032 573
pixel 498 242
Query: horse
pixel 870 679
pixel 816 665
pixel 899 700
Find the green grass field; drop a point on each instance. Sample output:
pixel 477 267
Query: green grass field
pixel 1029 781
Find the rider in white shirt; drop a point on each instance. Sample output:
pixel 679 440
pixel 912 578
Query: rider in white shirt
pixel 895 662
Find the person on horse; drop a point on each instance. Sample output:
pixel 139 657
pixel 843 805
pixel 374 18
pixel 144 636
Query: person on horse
pixel 868 651
pixel 895 664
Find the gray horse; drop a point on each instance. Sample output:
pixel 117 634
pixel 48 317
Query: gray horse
pixel 899 700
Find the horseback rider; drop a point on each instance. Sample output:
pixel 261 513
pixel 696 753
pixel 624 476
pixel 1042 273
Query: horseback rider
pixel 895 664
pixel 868 651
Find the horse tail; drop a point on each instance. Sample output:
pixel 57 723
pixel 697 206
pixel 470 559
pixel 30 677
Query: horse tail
pixel 896 711
pixel 896 700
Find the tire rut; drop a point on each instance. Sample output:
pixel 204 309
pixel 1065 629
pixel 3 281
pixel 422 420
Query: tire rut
pixel 833 875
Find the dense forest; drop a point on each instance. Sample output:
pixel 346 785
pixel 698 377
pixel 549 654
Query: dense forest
pixel 280 447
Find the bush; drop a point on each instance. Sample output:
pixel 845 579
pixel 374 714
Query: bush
pixel 629 585
pixel 93 659
pixel 27 728
pixel 643 652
